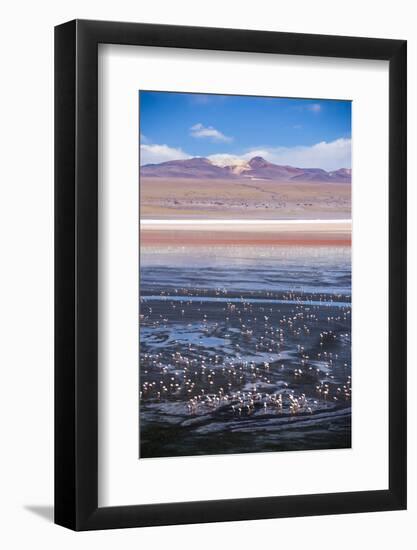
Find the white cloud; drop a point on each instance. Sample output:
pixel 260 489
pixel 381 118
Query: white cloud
pixel 329 155
pixel 314 107
pixel 200 131
pixel 154 154
pixel 227 160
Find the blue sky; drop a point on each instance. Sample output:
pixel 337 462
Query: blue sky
pixel 299 132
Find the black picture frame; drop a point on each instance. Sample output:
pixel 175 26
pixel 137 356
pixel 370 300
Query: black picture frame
pixel 76 272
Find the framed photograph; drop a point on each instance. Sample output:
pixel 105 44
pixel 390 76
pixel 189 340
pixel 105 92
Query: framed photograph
pixel 230 275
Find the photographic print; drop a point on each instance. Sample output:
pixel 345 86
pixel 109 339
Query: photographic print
pixel 245 274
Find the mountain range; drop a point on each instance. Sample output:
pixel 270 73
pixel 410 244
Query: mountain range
pixel 256 168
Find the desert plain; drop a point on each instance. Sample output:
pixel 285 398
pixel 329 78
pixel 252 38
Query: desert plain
pixel 188 198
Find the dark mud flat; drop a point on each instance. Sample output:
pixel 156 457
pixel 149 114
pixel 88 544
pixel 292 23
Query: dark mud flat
pixel 247 372
pixel 162 441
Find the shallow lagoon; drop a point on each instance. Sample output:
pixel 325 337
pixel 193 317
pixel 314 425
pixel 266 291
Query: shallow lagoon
pixel 244 349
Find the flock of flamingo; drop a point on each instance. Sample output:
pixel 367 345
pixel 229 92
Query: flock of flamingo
pixel 239 356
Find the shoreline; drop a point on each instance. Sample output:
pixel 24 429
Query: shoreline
pixel 245 232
